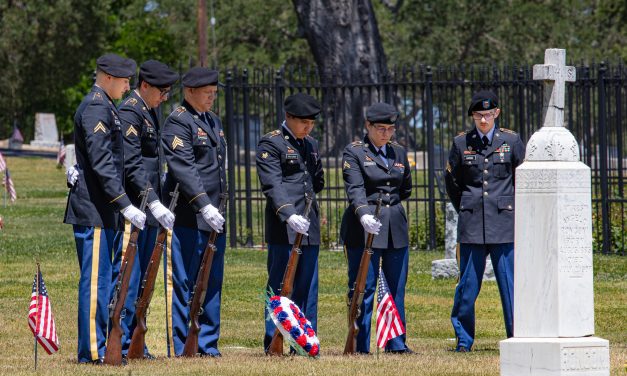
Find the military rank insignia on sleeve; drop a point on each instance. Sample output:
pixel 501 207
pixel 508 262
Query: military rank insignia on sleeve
pixel 347 165
pixel 100 127
pixel 264 155
pixel 131 131
pixel 176 142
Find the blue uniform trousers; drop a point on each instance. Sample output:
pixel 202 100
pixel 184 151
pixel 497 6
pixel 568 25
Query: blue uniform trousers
pixel 145 243
pixel 305 291
pixel 187 248
pixel 95 248
pixel 472 266
pixel 395 263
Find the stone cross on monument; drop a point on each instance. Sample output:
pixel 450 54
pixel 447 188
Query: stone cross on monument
pixel 553 284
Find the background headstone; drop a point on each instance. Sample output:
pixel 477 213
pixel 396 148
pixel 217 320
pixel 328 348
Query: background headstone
pixel 553 284
pixel 46 132
pixel 447 267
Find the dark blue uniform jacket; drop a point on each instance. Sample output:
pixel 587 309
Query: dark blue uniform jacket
pixel 140 127
pixel 98 195
pixel 365 175
pixel 287 172
pixel 195 152
pixel 480 184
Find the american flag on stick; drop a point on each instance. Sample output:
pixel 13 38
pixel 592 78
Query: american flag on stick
pixel 61 154
pixel 40 318
pixel 389 324
pixel 8 184
pixel 3 163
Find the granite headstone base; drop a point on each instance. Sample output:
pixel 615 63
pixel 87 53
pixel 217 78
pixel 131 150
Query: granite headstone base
pixel 589 356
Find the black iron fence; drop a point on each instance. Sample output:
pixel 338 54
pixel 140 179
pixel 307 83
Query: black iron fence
pixel 432 102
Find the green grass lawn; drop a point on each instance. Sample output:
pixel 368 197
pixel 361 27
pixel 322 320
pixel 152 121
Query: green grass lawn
pixel 34 232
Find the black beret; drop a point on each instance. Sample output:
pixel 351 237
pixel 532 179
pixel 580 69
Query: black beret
pixel 157 74
pixel 382 113
pixel 199 77
pixel 116 65
pixel 302 106
pixel 483 100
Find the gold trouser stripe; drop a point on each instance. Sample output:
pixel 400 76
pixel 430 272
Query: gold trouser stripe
pixel 93 293
pixel 125 239
pixel 169 288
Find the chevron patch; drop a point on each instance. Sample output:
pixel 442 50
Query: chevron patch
pixel 176 142
pixel 131 131
pixel 100 127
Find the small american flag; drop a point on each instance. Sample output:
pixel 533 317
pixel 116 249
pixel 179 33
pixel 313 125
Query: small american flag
pixel 3 163
pixel 389 324
pixel 40 318
pixel 61 154
pixel 8 184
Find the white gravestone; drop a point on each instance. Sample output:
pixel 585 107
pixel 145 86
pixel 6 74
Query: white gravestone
pixel 553 285
pixel 447 267
pixel 46 132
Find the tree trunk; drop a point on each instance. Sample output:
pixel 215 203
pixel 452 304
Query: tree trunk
pixel 344 38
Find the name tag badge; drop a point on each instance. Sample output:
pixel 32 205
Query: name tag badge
pixel 468 159
pixel 369 163
pixel 291 158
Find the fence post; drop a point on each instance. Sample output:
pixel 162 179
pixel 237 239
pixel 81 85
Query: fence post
pixel 602 155
pixel 619 129
pixel 247 169
pixel 278 96
pixel 231 159
pixel 521 105
pixel 428 109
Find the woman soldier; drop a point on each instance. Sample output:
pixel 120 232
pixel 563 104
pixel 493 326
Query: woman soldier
pixel 371 166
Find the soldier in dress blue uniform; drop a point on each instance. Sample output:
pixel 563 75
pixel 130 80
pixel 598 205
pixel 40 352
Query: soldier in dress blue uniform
pixel 195 151
pixel 375 165
pixel 289 167
pixel 97 198
pixel 480 183
pixel 144 167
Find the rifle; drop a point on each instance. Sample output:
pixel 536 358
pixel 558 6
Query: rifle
pixel 287 285
pixel 358 289
pixel 200 289
pixel 113 353
pixel 138 341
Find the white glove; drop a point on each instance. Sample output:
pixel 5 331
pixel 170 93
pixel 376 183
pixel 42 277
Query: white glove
pixel 72 175
pixel 135 216
pixel 212 216
pixel 162 214
pixel 370 223
pixel 298 223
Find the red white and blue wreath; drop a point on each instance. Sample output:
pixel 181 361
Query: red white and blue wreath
pixel 294 326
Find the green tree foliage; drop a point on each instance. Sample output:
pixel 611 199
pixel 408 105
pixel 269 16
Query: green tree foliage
pixel 44 47
pixel 502 31
pixel 48 48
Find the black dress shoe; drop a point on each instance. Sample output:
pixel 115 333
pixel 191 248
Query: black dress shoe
pixel 149 356
pixel 98 362
pixel 462 349
pixel 406 351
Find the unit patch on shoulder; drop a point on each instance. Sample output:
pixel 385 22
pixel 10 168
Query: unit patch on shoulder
pixel 176 142
pixel 97 95
pixel 356 143
pixel 100 127
pixel 275 132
